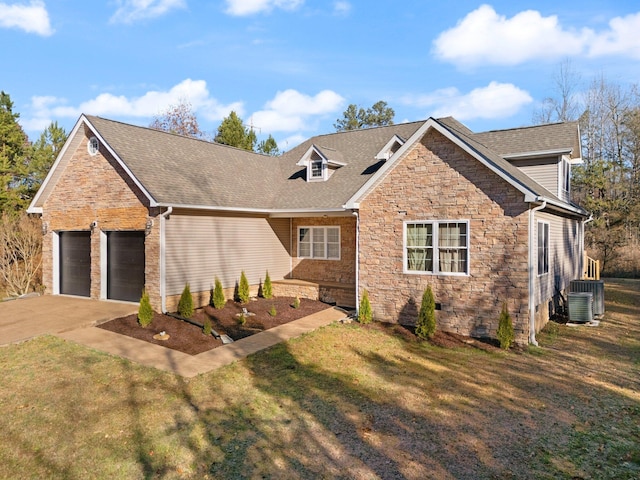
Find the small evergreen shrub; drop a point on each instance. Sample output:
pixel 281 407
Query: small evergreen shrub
pixel 207 326
pixel 365 314
pixel 243 288
pixel 242 319
pixel 505 333
pixel 145 312
pixel 426 324
pixel 218 295
pixel 185 305
pixel 296 303
pixel 272 311
pixel 267 288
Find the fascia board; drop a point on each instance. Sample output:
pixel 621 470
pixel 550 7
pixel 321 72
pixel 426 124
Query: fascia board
pixel 275 213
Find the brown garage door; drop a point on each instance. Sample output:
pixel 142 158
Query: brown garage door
pixel 75 263
pixel 125 265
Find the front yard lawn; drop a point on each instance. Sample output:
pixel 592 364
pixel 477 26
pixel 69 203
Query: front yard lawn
pixel 345 401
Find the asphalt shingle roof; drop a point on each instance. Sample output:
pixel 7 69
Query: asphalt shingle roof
pixel 178 170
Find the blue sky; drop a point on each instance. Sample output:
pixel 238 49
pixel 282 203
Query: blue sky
pixel 291 67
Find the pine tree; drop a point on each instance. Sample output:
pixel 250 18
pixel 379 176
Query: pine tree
pixel 365 314
pixel 267 288
pixel 426 324
pixel 243 288
pixel 232 132
pixel 185 305
pixel 218 295
pixel 145 312
pixel 505 333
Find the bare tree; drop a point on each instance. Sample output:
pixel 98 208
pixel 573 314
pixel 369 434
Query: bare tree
pixel 20 253
pixel 566 106
pixel 179 119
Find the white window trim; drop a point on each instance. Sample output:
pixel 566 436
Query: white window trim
pixel 436 248
pixel 93 146
pixel 564 174
pixel 538 249
pixel 324 227
pixel 323 170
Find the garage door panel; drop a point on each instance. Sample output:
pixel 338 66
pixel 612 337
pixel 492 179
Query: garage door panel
pixel 125 265
pixel 75 263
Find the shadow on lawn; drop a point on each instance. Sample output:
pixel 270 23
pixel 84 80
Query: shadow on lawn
pixel 417 412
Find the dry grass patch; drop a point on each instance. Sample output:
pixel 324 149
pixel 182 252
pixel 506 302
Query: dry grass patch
pixel 345 401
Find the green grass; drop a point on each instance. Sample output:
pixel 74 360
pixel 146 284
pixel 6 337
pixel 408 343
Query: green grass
pixel 346 401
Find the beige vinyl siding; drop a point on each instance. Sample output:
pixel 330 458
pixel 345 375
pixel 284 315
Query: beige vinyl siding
pixel 542 170
pixel 564 256
pixel 199 247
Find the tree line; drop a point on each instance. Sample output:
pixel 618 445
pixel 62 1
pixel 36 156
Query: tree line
pixel 607 184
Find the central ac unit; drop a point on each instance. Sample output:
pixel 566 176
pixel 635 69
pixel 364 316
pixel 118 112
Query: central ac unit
pixel 596 287
pixel 580 307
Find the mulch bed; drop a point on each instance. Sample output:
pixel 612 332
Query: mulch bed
pixel 190 339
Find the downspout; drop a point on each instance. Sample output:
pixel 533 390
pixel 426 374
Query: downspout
pixel 163 280
pixel 583 223
pixel 357 261
pixel 532 311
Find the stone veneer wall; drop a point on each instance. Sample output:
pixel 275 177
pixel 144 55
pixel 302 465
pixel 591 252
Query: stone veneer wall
pixel 436 180
pixel 338 271
pixel 95 188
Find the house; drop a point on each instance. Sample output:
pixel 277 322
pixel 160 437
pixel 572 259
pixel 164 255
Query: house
pixel 484 218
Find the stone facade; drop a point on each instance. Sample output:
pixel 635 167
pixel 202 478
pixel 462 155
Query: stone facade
pixel 437 180
pixel 338 271
pixel 95 190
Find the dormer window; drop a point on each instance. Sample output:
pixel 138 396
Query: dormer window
pixel 391 147
pixel 316 169
pixel 320 163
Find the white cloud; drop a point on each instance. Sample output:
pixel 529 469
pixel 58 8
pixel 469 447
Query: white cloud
pixel 249 7
pixel 496 100
pixel 483 36
pixel 32 18
pixel 45 108
pixel 291 110
pixel 341 8
pixel 130 11
pixel 621 39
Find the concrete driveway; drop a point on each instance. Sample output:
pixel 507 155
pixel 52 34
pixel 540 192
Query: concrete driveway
pixel 26 318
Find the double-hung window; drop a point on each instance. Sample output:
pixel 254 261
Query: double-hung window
pixel 436 247
pixel 543 248
pixel 319 243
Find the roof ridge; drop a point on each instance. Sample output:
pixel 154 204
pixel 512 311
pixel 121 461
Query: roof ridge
pixel 525 127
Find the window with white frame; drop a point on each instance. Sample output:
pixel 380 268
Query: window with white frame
pixel 565 172
pixel 543 248
pixel 316 169
pixel 436 247
pixel 319 243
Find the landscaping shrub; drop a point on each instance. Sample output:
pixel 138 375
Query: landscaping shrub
pixel 243 288
pixel 426 324
pixel 207 326
pixel 242 319
pixel 145 312
pixel 365 314
pixel 272 311
pixel 267 288
pixel 505 332
pixel 218 295
pixel 185 305
pixel 296 303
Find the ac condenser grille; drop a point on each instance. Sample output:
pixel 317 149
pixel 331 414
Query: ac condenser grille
pixel 596 287
pixel 580 307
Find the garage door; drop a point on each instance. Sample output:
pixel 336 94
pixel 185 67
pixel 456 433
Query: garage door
pixel 75 263
pixel 125 265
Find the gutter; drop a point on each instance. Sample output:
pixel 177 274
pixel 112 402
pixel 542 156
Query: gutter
pixel 355 212
pixel 163 267
pixel 583 223
pixel 532 311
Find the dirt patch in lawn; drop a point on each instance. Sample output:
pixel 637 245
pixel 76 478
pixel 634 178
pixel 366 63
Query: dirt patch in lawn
pixel 190 339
